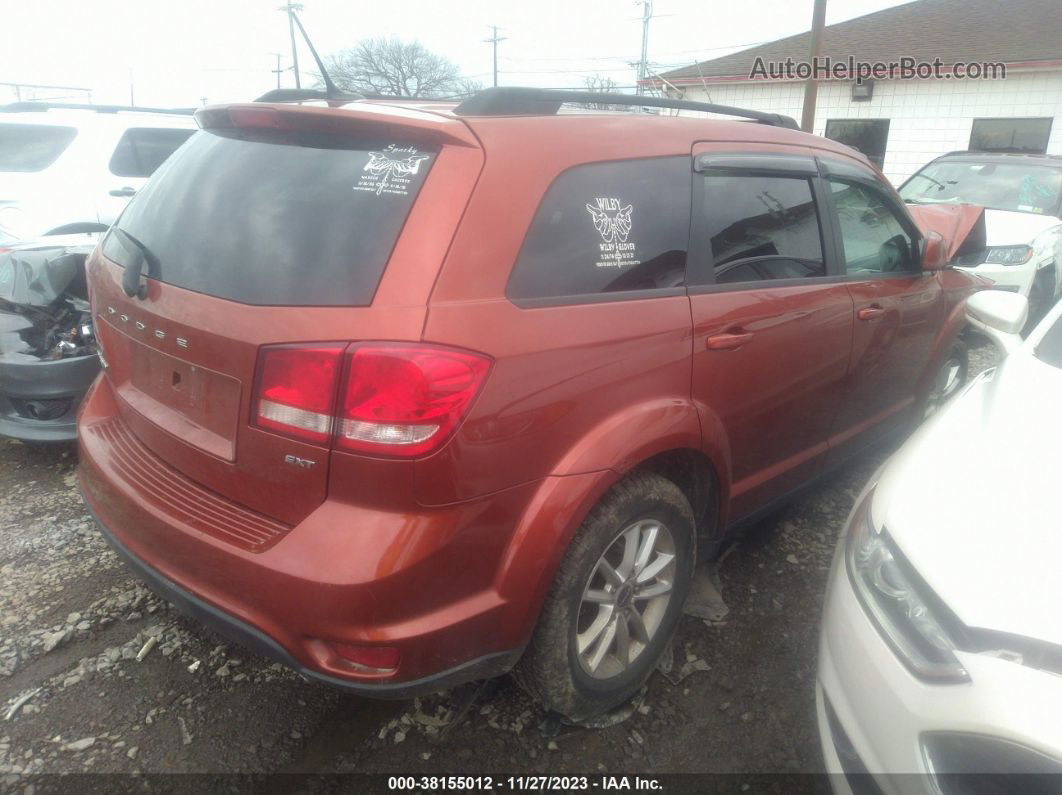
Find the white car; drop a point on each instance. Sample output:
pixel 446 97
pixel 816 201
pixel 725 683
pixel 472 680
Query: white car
pixel 70 169
pixel 941 645
pixel 1022 196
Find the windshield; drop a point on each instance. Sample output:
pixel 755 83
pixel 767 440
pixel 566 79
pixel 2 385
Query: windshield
pixel 273 218
pixel 999 186
pixel 32 147
pixel 1049 349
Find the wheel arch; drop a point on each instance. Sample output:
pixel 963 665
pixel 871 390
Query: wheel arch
pixel 949 332
pixel 562 503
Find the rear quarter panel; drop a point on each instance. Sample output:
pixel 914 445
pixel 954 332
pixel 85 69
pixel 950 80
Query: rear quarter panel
pixel 574 388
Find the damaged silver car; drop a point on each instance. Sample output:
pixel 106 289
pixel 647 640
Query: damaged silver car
pixel 48 351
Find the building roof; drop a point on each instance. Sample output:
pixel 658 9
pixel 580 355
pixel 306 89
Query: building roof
pixel 1011 31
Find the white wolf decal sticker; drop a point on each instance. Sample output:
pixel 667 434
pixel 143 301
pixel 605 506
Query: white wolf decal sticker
pixel 612 221
pixel 389 164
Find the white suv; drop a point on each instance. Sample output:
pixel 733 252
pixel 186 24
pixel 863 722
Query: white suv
pixel 71 168
pixel 1022 197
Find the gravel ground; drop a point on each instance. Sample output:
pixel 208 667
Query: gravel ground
pixel 97 674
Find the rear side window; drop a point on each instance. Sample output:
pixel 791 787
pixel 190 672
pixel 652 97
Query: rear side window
pixel 762 228
pixel 608 227
pixel 141 150
pixel 275 218
pixel 32 147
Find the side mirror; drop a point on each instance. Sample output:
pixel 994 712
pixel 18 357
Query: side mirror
pixel 999 315
pixel 934 252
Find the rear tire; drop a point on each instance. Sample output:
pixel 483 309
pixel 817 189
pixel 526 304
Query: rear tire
pixel 615 600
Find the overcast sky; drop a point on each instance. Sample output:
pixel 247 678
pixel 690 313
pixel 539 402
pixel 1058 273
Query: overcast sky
pixel 182 51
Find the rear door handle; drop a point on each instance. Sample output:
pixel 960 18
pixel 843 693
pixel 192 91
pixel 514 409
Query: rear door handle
pixel 870 313
pixel 728 341
pixel 126 191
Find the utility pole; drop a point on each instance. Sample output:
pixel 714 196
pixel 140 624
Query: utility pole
pixel 278 71
pixel 132 99
pixel 811 88
pixel 494 40
pixel 643 64
pixel 290 10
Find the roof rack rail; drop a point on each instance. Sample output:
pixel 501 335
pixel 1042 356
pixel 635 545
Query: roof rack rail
pixel 523 101
pixel 401 98
pixel 23 107
pixel 1000 152
pixel 302 94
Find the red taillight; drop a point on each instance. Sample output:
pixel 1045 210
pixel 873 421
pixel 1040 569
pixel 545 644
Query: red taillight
pixel 399 400
pixel 405 400
pixel 296 391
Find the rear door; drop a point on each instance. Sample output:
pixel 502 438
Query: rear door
pixel 772 317
pixel 259 236
pixel 898 309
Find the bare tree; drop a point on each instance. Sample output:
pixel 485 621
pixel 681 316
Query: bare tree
pixel 397 68
pixel 599 84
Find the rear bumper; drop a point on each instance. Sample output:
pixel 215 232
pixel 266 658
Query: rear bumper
pixel 421 582
pixel 52 385
pixel 230 627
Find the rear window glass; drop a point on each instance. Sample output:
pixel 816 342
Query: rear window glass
pixel 141 150
pixel 275 218
pixel 608 227
pixel 32 147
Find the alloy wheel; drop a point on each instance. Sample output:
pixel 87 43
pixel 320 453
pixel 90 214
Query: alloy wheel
pixel 625 599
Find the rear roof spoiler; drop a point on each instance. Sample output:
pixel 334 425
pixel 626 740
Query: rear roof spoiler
pixel 522 101
pixel 304 94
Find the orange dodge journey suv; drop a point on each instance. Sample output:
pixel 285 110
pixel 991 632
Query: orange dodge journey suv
pixel 408 394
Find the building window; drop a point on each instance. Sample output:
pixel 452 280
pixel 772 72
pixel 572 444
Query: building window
pixel 1010 135
pixel 869 136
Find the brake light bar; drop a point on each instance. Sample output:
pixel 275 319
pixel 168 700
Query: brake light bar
pixel 241 116
pixel 385 399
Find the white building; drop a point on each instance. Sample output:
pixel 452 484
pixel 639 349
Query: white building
pixel 902 124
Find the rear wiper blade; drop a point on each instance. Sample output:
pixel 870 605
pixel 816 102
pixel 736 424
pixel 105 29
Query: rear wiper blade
pixel 131 283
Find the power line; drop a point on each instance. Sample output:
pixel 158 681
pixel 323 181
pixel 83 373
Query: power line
pixel 628 56
pixel 562 71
